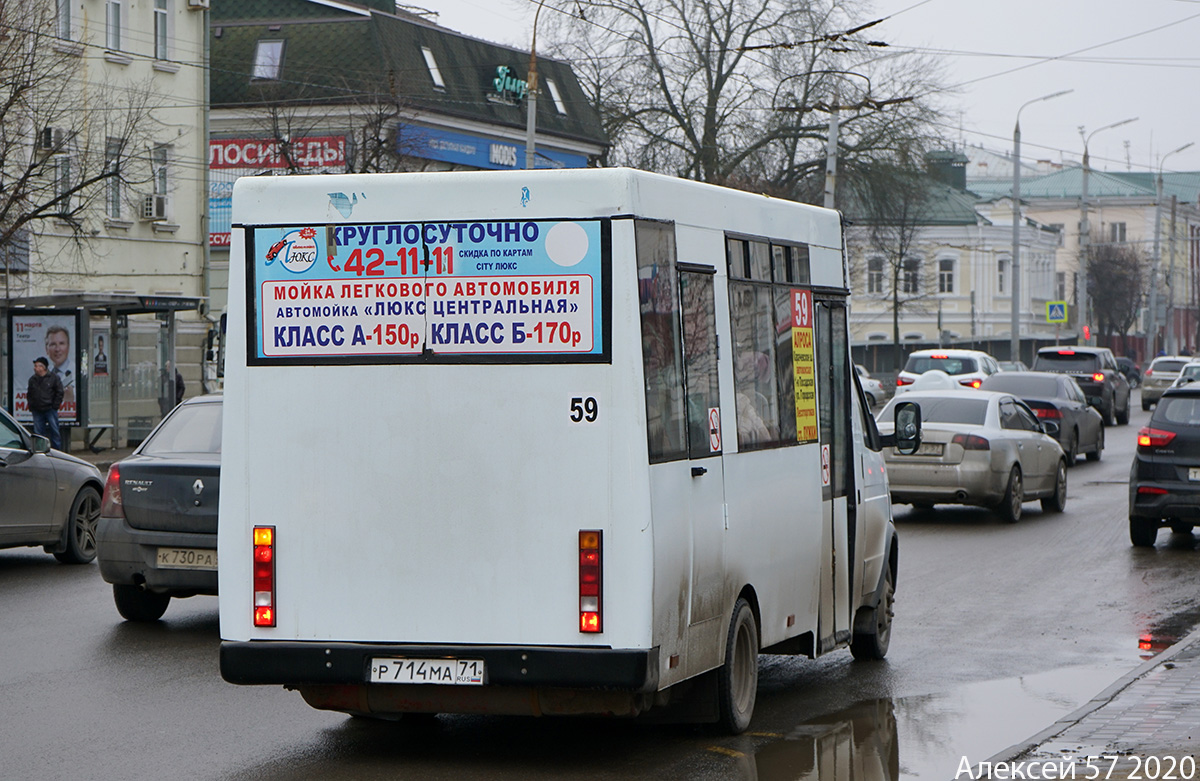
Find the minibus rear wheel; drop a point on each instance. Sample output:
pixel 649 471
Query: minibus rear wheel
pixel 738 677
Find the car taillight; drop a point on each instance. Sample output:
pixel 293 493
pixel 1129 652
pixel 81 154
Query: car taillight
pixel 1153 437
pixel 1066 352
pixel 971 383
pixel 940 357
pixel 111 505
pixel 971 442
pixel 590 608
pixel 1052 412
pixel 1098 377
pixel 264 576
pixel 903 381
pixel 1147 489
pixel 1148 373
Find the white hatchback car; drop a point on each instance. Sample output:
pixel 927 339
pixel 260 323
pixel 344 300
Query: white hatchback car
pixel 968 367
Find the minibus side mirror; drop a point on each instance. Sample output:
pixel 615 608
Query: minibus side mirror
pixel 906 436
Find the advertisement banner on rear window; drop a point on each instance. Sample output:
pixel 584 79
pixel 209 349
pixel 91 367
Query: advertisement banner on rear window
pixel 430 291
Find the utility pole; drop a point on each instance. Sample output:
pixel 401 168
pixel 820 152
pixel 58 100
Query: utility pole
pixel 531 96
pixel 831 150
pixel 1015 342
pixel 1152 317
pixel 1084 228
pixel 1172 347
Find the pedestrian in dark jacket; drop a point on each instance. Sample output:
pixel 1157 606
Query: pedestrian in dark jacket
pixel 44 396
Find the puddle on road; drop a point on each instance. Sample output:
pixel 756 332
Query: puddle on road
pixel 923 737
pixel 930 736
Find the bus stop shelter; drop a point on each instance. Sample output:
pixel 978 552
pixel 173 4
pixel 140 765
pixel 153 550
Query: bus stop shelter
pixel 111 394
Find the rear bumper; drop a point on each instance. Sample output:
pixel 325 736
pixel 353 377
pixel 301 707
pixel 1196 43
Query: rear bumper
pixel 1182 502
pixel 129 556
pixel 314 663
pixel 1153 392
pixel 924 483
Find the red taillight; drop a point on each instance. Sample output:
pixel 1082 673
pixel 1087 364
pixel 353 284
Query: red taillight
pixel 1153 437
pixel 971 383
pixel 1146 489
pixel 971 442
pixel 1052 412
pixel 1148 373
pixel 903 381
pixel 112 506
pixel 264 576
pixel 939 357
pixel 590 592
pixel 1098 377
pixel 1066 352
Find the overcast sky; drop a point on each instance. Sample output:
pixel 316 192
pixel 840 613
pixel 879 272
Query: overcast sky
pixel 1122 58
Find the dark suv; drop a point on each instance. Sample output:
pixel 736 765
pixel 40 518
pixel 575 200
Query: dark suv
pixel 1096 371
pixel 1131 370
pixel 1164 482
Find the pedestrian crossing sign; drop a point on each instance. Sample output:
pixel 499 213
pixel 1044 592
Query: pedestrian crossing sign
pixel 1056 311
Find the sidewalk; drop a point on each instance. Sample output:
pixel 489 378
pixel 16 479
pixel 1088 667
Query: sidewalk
pixel 1142 725
pixel 105 458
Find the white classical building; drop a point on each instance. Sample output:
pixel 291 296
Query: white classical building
pixel 128 264
pixel 956 276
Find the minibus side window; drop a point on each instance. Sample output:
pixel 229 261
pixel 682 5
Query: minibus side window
pixel 662 353
pixel 756 391
pixel 700 359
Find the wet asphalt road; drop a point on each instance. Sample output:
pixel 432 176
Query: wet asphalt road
pixel 999 631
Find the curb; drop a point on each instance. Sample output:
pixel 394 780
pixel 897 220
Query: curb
pixel 1017 750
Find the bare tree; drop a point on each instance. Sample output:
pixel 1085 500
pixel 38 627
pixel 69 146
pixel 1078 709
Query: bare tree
pixel 371 119
pixel 1116 285
pixel 892 205
pixel 740 93
pixel 71 149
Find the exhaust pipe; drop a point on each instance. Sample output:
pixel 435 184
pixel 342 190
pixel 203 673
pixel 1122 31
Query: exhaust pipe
pixel 960 495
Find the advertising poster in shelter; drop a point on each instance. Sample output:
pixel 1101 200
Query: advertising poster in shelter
pixel 56 337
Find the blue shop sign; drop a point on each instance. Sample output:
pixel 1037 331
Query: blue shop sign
pixel 477 151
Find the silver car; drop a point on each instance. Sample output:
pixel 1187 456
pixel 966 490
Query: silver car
pixel 47 497
pixel 876 392
pixel 981 448
pixel 1160 375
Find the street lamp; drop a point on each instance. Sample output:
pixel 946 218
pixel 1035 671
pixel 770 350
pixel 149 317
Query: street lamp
pixel 1015 345
pixel 1153 314
pixel 1084 228
pixel 531 93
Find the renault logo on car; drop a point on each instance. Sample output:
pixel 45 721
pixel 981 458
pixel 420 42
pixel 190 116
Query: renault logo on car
pixel 198 486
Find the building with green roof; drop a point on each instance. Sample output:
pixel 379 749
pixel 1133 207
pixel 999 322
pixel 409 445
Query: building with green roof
pixel 948 251
pixel 1124 208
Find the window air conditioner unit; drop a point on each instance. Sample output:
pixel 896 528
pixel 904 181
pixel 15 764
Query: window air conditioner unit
pixel 154 207
pixel 198 5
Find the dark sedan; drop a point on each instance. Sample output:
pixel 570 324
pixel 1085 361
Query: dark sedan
pixel 157 535
pixel 1164 482
pixel 1059 398
pixel 47 497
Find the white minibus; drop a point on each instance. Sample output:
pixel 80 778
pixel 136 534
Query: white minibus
pixel 543 442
